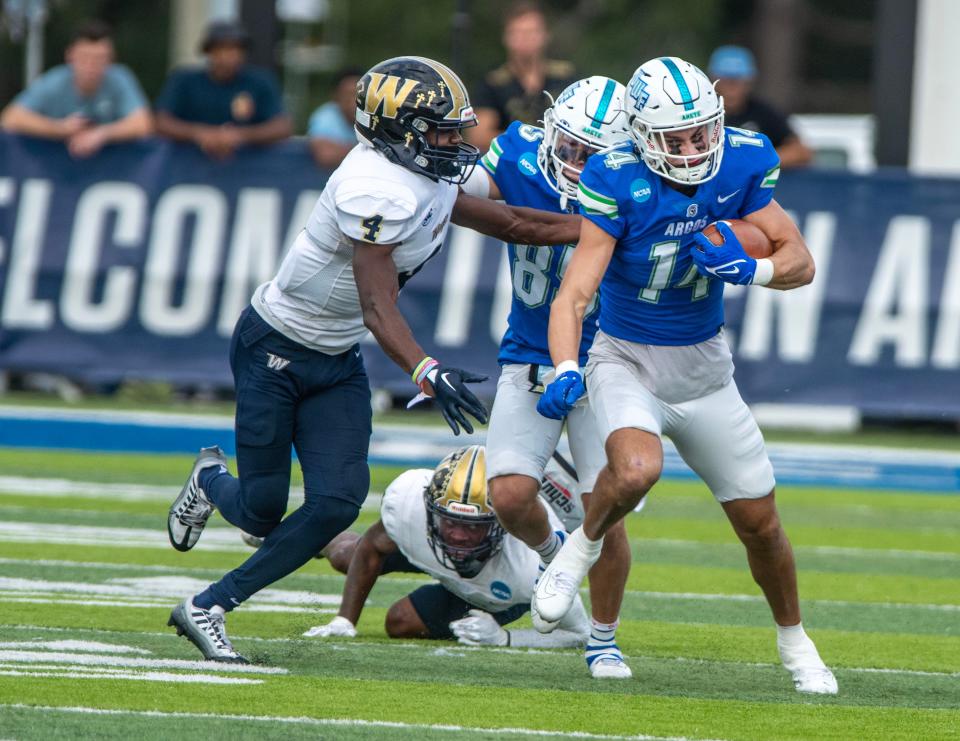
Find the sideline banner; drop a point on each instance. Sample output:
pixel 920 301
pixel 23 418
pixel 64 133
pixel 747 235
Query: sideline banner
pixel 136 263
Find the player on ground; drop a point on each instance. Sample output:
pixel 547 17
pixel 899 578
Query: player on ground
pixel 440 522
pixel 659 363
pixel 295 356
pixel 530 166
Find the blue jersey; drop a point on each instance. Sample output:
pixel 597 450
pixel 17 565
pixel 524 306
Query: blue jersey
pixel 535 271
pixel 652 292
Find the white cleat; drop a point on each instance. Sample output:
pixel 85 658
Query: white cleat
pixel 610 667
pixel 542 626
pixel 560 584
pixel 815 681
pixel 806 667
pixel 192 508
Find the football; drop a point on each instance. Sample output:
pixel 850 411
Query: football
pixel 754 241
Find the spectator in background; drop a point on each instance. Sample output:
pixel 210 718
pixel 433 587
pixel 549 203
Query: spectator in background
pixel 331 126
pixel 734 71
pixel 515 90
pixel 87 102
pixel 226 105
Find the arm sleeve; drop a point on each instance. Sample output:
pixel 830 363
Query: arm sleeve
pixel 764 171
pixel 478 184
pixel 598 201
pixel 129 93
pixel 374 211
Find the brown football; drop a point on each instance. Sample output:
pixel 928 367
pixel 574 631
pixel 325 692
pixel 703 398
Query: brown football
pixel 754 241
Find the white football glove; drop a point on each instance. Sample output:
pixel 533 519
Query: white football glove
pixel 339 626
pixel 479 628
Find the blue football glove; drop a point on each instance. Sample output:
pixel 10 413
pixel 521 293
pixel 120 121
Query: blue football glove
pixel 558 398
pixel 727 262
pixel 454 398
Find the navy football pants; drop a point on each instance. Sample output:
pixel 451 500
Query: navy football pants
pixel 319 404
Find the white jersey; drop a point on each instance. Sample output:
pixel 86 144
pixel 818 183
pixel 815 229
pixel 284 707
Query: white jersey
pixel 506 579
pixel 313 299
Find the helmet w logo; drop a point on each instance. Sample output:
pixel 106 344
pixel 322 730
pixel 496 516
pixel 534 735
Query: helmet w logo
pixel 275 362
pixel 383 90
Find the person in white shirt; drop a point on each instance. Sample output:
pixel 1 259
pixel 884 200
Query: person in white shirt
pixel 295 353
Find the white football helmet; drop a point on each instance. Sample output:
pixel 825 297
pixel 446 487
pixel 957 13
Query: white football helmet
pixel 667 95
pixel 588 116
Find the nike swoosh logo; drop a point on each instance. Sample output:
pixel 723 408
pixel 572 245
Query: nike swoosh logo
pixel 443 377
pixel 724 199
pixel 357 353
pixel 732 271
pixel 729 268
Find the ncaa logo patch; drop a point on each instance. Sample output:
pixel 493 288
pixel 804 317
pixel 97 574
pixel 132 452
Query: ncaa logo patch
pixel 527 164
pixel 500 590
pixel 640 190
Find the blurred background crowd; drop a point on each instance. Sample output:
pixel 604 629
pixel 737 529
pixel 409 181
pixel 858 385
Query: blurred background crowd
pixel 838 87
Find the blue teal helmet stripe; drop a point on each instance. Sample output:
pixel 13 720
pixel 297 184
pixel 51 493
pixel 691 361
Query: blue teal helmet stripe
pixel 605 99
pixel 685 96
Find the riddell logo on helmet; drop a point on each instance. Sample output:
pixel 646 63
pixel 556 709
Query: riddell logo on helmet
pixel 463 509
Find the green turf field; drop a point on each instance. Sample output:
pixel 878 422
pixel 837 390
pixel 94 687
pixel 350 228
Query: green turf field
pixel 87 582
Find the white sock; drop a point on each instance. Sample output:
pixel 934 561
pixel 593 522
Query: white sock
pixel 590 549
pixel 548 548
pixel 603 632
pixel 218 609
pixel 796 649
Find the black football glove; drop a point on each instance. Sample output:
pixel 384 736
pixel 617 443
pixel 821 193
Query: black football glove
pixel 454 398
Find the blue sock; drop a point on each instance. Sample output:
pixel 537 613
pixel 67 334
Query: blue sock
pixel 603 643
pixel 549 548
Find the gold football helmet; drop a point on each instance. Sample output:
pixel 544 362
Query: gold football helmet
pixel 462 527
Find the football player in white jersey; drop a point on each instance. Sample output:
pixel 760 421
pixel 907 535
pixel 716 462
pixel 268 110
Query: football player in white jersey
pixel 441 523
pixel 296 361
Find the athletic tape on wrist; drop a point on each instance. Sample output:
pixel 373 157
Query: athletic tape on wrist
pixel 567 365
pixel 763 273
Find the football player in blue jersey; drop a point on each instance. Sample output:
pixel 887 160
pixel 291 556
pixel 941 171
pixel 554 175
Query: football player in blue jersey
pixel 540 167
pixel 660 363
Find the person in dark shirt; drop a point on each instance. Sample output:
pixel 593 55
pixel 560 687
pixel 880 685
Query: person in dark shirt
pixel 734 71
pixel 515 90
pixel 225 105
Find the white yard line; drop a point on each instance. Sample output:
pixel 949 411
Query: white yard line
pixel 453 649
pixel 134 676
pixel 759 598
pixel 346 722
pixel 78 658
pixel 38 591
